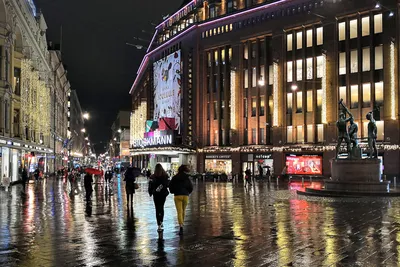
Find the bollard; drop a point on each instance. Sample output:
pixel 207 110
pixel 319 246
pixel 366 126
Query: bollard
pixel 302 181
pixel 395 182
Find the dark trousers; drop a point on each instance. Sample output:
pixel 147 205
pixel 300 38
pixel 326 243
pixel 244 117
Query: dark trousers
pixel 88 193
pixel 159 202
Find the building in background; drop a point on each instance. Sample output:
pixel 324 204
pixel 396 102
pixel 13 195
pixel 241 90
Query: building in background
pixel 119 144
pixel 77 145
pixel 229 85
pixel 59 109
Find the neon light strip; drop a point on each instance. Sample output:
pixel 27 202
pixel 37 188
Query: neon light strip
pixel 154 51
pixel 151 42
pixel 173 15
pixel 392 83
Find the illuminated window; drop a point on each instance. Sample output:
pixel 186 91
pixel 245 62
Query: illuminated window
pixel 309 68
pixel 379 57
pixel 262 106
pixel 253 106
pixel 253 50
pixel 262 72
pixel 342 63
pixel 320 133
pixel 320 67
pixel 299 102
pixel 320 36
pixel 379 94
pixel 230 53
pixel 365 26
pixel 254 77
pixel 366 59
pixel 354 61
pixel 223 56
pixel 216 57
pixel 300 134
pixel 366 101
pixel 354 96
pixel 319 99
pixel 246 78
pixel 310 133
pixel 289 100
pixel 223 137
pixel 289 42
pixel 380 125
pixel 289 134
pixel 209 59
pixel 215 110
pixel 309 101
pixel 262 136
pixel 254 136
pixel 299 70
pixel 246 51
pixel 378 26
pixel 353 29
pixel 342 94
pixel 299 39
pixel 216 137
pixel 309 38
pixel 342 31
pixel 290 71
pixel 271 75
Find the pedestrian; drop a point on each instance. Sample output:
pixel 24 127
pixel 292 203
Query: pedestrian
pixel 158 188
pixel 25 178
pixel 284 173
pixel 181 187
pixel 108 176
pixel 148 173
pixel 36 174
pixel 88 181
pixel 247 177
pixel 130 179
pixel 260 171
pixel 268 173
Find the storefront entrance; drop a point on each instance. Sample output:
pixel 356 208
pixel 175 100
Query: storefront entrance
pixel 221 164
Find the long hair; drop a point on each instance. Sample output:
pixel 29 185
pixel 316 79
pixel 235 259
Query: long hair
pixel 159 171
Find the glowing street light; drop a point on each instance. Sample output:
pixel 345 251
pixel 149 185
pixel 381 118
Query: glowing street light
pixel 88 144
pixel 378 5
pixel 261 82
pixel 111 144
pixel 83 130
pixel 86 116
pixel 87 138
pixel 115 138
pixel 294 87
pixel 119 130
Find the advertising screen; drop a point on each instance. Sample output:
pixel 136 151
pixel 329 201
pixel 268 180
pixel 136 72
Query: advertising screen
pixel 167 90
pixel 309 165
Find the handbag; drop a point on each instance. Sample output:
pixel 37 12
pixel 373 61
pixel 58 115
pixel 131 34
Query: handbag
pixel 136 186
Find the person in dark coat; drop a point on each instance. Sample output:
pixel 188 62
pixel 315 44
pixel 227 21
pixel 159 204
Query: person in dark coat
pixel 247 177
pixel 130 179
pixel 158 188
pixel 88 181
pixel 36 174
pixel 25 178
pixel 108 176
pixel 181 187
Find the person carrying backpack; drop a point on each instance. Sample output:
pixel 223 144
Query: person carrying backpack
pixel 158 188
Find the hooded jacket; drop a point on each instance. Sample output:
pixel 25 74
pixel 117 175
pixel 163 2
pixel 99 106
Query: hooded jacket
pixel 181 185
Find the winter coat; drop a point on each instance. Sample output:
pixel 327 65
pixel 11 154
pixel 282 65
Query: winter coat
pixel 181 185
pixel 158 186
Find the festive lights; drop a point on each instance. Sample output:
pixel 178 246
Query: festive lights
pixel 392 83
pixel 323 83
pixel 233 100
pixel 275 95
pixel 138 123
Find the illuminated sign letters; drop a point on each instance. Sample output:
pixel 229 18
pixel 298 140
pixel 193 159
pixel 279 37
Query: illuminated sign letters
pixel 153 141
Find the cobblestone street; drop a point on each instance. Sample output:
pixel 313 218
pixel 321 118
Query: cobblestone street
pixel 227 225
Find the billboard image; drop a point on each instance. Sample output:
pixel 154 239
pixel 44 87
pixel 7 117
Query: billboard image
pixel 167 90
pixel 304 164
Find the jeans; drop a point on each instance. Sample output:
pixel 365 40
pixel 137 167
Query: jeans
pixel 159 202
pixel 180 204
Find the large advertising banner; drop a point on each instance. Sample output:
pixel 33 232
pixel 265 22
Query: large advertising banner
pixel 167 90
pixel 308 165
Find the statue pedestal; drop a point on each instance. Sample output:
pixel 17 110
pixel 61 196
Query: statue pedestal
pixel 356 175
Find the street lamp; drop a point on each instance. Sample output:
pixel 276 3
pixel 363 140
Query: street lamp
pixel 119 130
pixel 115 138
pixel 86 116
pixel 294 87
pixel 83 130
pixel 261 82
pixel 87 138
pixel 88 144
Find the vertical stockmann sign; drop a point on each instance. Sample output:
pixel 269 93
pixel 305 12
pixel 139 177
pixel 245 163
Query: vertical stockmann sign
pixel 153 141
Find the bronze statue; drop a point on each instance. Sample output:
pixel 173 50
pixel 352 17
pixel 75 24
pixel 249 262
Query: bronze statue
pixel 372 134
pixel 341 124
pixel 353 130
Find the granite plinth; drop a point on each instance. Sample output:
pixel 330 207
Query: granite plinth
pixel 357 186
pixel 356 170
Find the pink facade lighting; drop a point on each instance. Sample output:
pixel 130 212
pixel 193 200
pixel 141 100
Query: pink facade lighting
pixel 177 12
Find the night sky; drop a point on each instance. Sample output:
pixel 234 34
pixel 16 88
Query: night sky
pixel 101 67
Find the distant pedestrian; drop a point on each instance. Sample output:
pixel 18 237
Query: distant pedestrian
pixel 36 174
pixel 130 179
pixel 108 176
pixel 247 177
pixel 148 174
pixel 25 178
pixel 88 181
pixel 181 187
pixel 260 171
pixel 268 173
pixel 158 188
pixel 284 175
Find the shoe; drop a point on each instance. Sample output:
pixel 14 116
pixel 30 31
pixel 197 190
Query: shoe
pixel 180 230
pixel 160 228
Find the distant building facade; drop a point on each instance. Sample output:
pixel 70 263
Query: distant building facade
pixel 119 144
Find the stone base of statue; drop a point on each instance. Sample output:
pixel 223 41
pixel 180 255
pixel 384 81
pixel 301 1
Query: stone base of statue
pixel 354 177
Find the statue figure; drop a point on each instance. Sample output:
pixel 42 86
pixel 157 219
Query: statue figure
pixel 372 134
pixel 341 124
pixel 353 130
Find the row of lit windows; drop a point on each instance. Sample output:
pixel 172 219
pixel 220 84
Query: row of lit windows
pixel 299 131
pixel 299 101
pixel 365 27
pixel 217 31
pixel 309 38
pixel 366 60
pixel 219 56
pixel 254 81
pixel 253 134
pixel 309 69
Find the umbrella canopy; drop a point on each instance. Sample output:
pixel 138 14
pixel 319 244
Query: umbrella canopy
pixel 93 171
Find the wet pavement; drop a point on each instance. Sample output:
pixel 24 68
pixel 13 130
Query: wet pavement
pixel 226 225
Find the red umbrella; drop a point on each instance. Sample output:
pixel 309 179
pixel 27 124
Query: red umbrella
pixel 93 171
